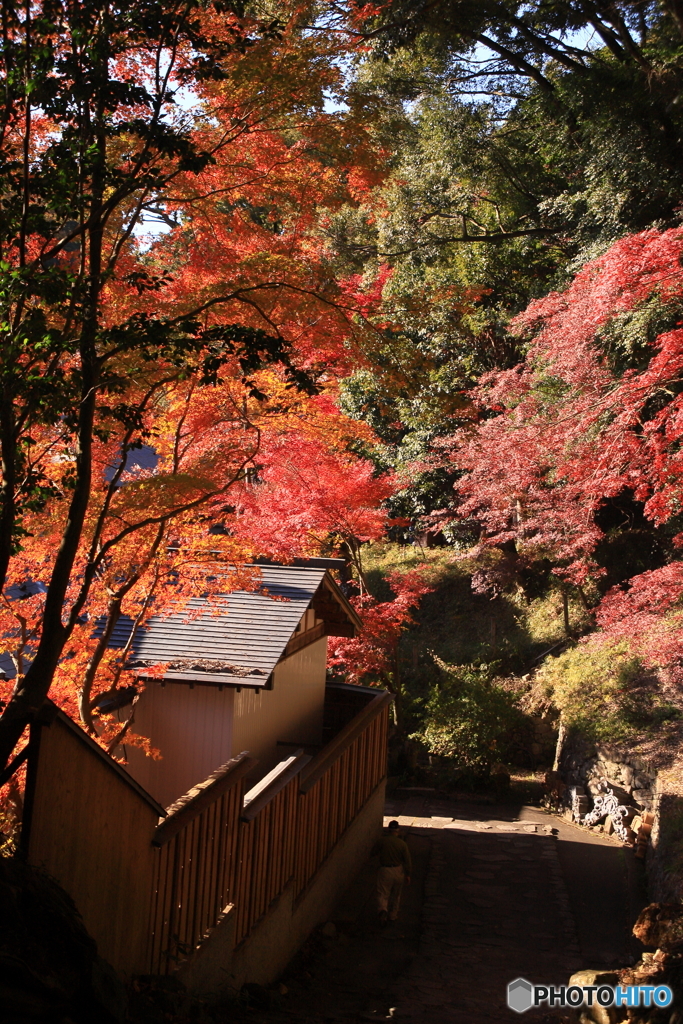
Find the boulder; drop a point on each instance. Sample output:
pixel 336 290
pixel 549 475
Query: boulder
pixel 601 1015
pixel 597 1014
pixel 156 999
pixel 629 818
pixel 660 925
pixel 256 996
pixel 592 977
pixel 49 967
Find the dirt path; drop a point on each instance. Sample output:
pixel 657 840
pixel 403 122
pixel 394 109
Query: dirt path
pixel 498 892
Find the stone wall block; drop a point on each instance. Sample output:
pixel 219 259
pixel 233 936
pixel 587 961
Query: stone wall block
pixel 644 798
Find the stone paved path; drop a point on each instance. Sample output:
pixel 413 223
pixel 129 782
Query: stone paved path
pixel 497 893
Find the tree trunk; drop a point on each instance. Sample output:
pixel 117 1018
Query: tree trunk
pixel 561 739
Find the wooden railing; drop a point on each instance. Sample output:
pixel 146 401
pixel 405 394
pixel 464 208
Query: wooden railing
pixel 268 842
pixel 337 783
pixel 150 893
pixel 197 864
pixel 289 823
pixel 296 815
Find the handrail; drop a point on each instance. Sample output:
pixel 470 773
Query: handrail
pixel 336 747
pixel 197 799
pixel 272 784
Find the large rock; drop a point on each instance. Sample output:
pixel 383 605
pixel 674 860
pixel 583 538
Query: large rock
pixel 597 1014
pixel 600 786
pixel 660 925
pixel 590 977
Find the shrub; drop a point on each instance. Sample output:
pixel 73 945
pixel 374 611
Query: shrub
pixel 604 690
pixel 469 718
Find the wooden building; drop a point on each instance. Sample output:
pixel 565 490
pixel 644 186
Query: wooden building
pixel 250 676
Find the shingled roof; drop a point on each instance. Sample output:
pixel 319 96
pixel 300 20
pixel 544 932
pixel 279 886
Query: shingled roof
pixel 241 643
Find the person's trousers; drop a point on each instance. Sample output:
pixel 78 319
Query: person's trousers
pixel 389 886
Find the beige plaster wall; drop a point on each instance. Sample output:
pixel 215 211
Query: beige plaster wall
pixel 291 712
pixel 198 728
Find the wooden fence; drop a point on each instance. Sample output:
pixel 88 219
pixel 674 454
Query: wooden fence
pixel 336 784
pixel 268 842
pixel 197 865
pixel 150 892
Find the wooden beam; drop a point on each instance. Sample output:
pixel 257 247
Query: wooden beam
pixel 309 636
pixel 341 629
pixel 337 622
pixel 275 781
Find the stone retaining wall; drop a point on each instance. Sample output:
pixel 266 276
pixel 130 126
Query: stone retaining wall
pixel 665 858
pixel 594 768
pixel 588 769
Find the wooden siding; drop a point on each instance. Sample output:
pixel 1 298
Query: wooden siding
pixel 91 829
pixel 197 728
pixel 192 728
pixel 292 712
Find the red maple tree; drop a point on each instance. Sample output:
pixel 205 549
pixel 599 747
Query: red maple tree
pixel 117 343
pixel 560 434
pixel 373 656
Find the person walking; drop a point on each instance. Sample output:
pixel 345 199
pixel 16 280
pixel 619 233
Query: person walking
pixel 395 867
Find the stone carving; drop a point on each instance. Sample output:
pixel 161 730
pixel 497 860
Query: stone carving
pixel 609 804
